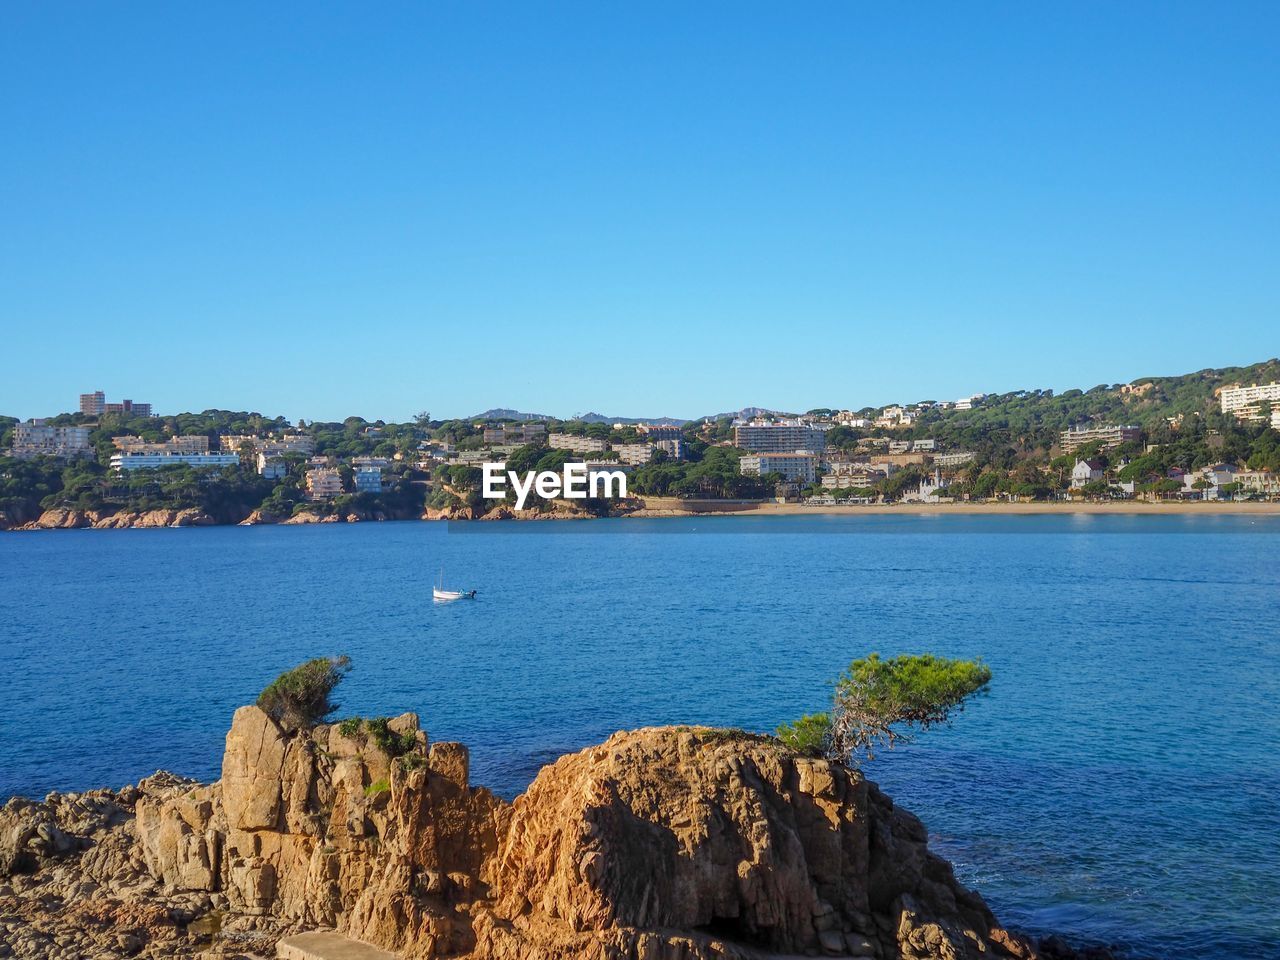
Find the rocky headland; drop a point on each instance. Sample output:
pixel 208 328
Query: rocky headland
pixel 670 843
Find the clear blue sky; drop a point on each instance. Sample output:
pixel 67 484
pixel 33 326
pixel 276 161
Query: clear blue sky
pixel 639 209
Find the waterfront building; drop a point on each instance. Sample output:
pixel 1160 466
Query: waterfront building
pixel 792 466
pixel 323 483
pixel 1086 471
pixel 1245 402
pixel 1107 434
pixel 857 476
pixel 575 443
pixel 369 479
pixel 784 436
pixel 38 438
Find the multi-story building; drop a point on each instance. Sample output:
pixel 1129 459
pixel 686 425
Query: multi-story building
pixel 38 438
pixel 634 453
pixel 272 467
pixel 323 483
pixel 576 444
pixel 674 448
pixel 968 403
pixel 1106 434
pixel 272 446
pixel 659 431
pixel 792 466
pixel 783 436
pixel 185 445
pixel 369 479
pixel 847 418
pixel 128 408
pixel 123 461
pixel 95 404
pixel 852 476
pixel 954 458
pixel 1245 402
pixel 525 431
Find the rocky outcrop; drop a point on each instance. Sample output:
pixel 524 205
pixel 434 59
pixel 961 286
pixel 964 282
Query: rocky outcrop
pixel 64 518
pixel 659 844
pixel 186 517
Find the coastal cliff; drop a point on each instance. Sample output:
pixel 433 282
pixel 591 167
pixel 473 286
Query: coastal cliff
pixel 670 843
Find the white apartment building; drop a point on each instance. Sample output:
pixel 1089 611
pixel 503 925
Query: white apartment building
pixel 634 453
pixel 37 438
pixel 150 459
pixel 272 467
pixel 1244 401
pixel 792 466
pixel 784 436
pixel 847 418
pixel 956 458
pixel 323 483
pixel 576 444
pixel 1110 436
pixel 968 402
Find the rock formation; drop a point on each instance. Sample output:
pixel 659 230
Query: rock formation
pixel 659 844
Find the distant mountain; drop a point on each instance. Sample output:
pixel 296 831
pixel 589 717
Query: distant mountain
pixel 601 418
pixel 503 413
pixel 746 413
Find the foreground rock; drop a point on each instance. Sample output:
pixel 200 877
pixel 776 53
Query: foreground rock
pixel 659 844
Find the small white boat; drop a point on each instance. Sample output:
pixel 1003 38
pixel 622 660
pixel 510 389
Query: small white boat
pixel 448 596
pixel 440 595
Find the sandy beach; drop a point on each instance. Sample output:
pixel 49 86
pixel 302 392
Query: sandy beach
pixel 673 507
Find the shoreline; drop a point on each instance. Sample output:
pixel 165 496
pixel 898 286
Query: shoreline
pixel 664 508
pixel 1132 507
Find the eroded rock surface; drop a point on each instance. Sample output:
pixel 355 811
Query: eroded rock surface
pixel 659 844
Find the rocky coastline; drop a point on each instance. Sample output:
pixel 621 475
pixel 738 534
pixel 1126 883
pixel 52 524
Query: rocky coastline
pixel 673 843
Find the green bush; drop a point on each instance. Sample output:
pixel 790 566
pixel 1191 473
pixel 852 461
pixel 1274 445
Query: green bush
pixel 350 727
pixel 377 787
pixel 388 741
pixel 811 734
pixel 300 697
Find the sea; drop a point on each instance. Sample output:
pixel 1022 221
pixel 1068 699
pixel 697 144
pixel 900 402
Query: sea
pixel 1118 784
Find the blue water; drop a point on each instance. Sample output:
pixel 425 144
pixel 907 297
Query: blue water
pixel 1121 782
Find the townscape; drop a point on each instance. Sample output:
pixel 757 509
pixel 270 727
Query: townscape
pixel 1207 437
